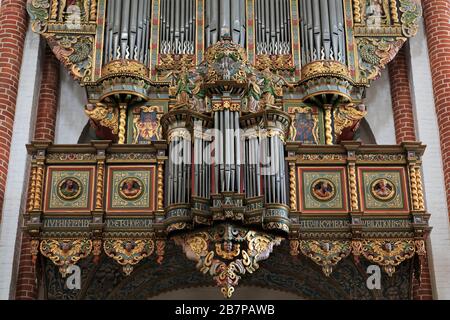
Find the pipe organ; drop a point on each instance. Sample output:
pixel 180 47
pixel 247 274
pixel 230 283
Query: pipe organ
pixel 226 127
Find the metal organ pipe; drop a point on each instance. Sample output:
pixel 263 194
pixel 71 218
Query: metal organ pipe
pixel 272 18
pixel 224 18
pixel 322 30
pixel 127 30
pixel 177 32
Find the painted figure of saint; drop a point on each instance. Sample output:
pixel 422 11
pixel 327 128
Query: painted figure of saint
pixel 148 126
pixel 304 126
pixel 69 189
pixel 323 190
pixel 383 189
pixel 130 188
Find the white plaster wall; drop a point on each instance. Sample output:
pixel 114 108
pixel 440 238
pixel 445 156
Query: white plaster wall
pixel 379 106
pixel 427 132
pixel 17 179
pixel 71 118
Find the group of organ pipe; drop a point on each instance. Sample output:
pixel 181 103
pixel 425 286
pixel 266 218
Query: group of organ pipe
pixel 229 160
pixel 322 30
pixel 225 18
pixel 273 27
pixel 127 30
pixel 177 29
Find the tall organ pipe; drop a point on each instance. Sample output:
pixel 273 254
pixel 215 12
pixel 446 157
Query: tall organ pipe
pixel 272 18
pixel 177 34
pixel 225 18
pixel 127 30
pixel 322 30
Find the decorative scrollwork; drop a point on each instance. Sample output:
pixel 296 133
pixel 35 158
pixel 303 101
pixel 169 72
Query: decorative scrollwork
pixel 325 253
pixel 128 252
pixel 411 12
pixel 375 53
pixel 325 68
pixel 213 250
pixel 38 10
pixel 388 253
pixel 347 117
pixel 65 252
pixel 106 116
pixel 124 67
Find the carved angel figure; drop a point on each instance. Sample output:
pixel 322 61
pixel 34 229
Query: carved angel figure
pixel 253 93
pixel 199 95
pixel 180 86
pixel 272 87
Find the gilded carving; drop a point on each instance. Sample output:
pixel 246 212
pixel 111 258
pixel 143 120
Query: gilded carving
pixel 325 68
pixel 325 253
pixel 39 185
pixel 124 67
pixel 122 123
pixel 32 188
pixel 220 252
pixel 65 252
pixel 99 191
pixel 353 189
pixel 160 195
pixel 346 120
pixel 292 187
pixel 388 253
pixel 128 252
pixel 411 12
pixel 106 116
pixel 328 128
pixel 375 53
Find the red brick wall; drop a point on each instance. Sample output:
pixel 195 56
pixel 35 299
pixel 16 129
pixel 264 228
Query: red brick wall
pixel 437 25
pixel 26 288
pixel 422 290
pixel 48 98
pixel 401 98
pixel 13 27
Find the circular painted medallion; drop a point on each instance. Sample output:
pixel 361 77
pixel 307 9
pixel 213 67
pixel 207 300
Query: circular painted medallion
pixel 382 189
pixel 131 188
pixel 69 188
pixel 323 189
